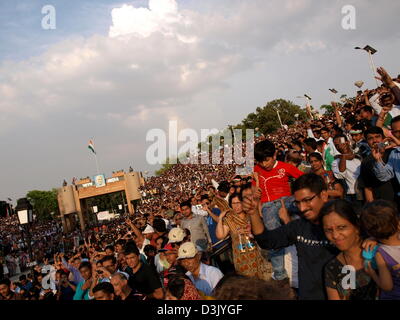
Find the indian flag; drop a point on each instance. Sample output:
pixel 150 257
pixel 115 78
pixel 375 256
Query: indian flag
pixel 91 146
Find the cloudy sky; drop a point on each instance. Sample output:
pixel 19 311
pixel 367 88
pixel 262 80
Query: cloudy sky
pixel 113 70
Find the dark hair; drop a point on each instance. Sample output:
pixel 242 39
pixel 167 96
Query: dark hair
pixel 373 130
pixel 22 277
pixel 177 287
pixel 204 197
pixel 311 142
pixel 394 120
pixel 185 204
pixel 320 143
pixel 108 258
pixel 235 195
pixel 120 242
pixel 340 135
pixel 106 287
pixel 159 225
pixel 131 247
pixel 148 248
pixel 238 287
pixel 316 155
pixel 343 208
pixel 379 219
pixel 263 150
pixel 311 181
pixel 324 129
pixel 109 247
pixel 367 109
pixel 293 156
pixel 224 186
pixel 85 264
pixel 6 282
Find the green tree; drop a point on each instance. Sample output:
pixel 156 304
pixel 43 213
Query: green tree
pixel 44 203
pixel 266 118
pixel 328 109
pixel 164 167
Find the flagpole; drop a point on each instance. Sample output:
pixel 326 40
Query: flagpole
pixel 97 163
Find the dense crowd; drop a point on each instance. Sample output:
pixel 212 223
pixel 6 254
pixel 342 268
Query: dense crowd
pixel 321 204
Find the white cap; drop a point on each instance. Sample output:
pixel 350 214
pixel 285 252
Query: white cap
pixel 149 229
pixel 176 235
pixel 187 250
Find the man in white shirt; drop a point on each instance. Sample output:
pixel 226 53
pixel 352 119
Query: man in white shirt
pixel 204 277
pixel 347 166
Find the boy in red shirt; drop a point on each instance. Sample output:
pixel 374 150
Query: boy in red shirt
pixel 273 179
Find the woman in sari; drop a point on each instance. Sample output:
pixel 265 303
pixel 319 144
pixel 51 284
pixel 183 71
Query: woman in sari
pixel 247 257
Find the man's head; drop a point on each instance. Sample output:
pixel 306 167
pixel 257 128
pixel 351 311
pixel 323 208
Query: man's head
pixel 310 192
pixel 265 154
pixel 85 269
pixel 119 282
pixel 109 250
pixel 395 125
pixel 5 285
pixel 356 132
pixel 325 133
pixel 321 145
pixel 341 144
pixel 186 208
pixel 366 113
pixel 76 263
pixel 310 145
pixel 159 225
pixel 119 245
pixel 103 291
pixel 374 135
pixel 110 263
pixel 189 257
pixel 223 188
pixel 22 279
pixel 148 232
pixel 170 252
pixel 132 256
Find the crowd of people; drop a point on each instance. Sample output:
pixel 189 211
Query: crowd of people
pixel 321 203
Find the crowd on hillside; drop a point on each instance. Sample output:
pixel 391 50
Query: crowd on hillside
pixel 321 202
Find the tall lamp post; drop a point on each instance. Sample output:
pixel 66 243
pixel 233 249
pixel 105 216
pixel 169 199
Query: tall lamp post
pixel 25 216
pixel 371 51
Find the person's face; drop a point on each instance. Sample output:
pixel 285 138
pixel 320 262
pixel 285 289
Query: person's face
pixel 310 203
pixel 340 146
pixel 110 266
pixel 340 231
pixel 159 244
pixel 186 211
pixel 178 218
pixel 119 248
pixel 4 290
pixel 118 285
pixel 320 148
pixel 109 252
pixel 373 139
pixel 132 260
pixel 317 134
pixel 316 164
pixel 191 264
pixel 76 263
pixel 101 295
pixel 237 205
pixel 171 257
pixel 357 137
pixel 86 273
pixel 365 115
pixel 63 278
pixel 396 129
pixel 348 126
pixel 329 125
pixel 325 134
pixel 268 163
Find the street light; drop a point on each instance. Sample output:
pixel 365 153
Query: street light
pixel 371 51
pixel 25 216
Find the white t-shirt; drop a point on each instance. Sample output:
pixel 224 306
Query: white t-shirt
pixel 350 175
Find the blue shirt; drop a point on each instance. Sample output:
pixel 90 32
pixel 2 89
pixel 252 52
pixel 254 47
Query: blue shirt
pixel 385 172
pixel 209 277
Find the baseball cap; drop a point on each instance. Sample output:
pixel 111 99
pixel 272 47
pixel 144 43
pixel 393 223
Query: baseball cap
pixel 148 229
pixel 176 235
pixel 167 247
pixel 187 250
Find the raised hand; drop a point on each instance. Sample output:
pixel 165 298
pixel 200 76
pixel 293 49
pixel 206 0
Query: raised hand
pixel 283 213
pixel 384 76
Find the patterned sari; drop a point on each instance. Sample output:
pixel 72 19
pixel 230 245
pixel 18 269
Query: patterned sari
pixel 249 263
